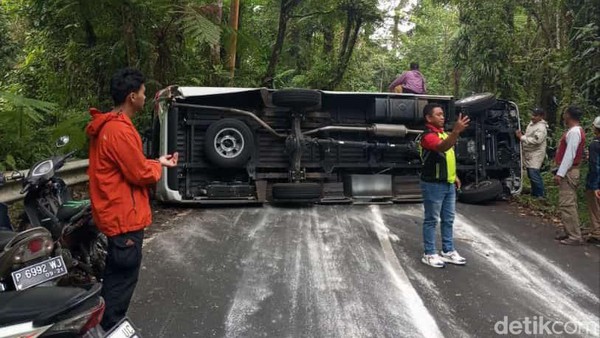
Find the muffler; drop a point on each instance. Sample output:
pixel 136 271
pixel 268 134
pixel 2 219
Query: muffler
pixel 391 130
pixel 376 129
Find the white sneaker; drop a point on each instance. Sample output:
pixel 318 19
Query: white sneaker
pixel 433 260
pixel 452 257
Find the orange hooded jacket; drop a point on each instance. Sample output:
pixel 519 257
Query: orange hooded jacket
pixel 119 174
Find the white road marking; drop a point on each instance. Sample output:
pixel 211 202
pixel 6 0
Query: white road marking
pixel 550 288
pixel 556 296
pixel 408 295
pixel 339 284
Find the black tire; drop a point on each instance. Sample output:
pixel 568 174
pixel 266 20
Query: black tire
pixel 477 103
pixel 229 143
pixel 478 193
pixel 296 192
pixel 297 98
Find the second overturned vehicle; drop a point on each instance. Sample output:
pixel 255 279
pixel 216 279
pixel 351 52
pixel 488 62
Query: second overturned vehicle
pixel 256 145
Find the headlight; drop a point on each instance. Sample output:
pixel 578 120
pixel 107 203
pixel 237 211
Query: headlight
pixel 42 168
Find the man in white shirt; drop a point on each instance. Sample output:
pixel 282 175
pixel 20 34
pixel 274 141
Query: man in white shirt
pixel 568 157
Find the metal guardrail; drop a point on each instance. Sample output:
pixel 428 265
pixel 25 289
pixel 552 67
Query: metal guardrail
pixel 72 173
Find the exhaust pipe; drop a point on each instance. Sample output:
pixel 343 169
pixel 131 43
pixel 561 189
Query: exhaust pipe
pixel 376 129
pixel 391 130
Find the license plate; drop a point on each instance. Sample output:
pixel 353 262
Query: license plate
pixel 124 329
pixel 39 273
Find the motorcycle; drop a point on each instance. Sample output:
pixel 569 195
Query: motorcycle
pixel 31 303
pixel 52 312
pixel 48 203
pixel 25 257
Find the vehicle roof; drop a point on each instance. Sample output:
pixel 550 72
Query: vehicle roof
pixel 188 92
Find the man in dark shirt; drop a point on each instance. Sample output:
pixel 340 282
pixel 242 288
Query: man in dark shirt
pixel 592 186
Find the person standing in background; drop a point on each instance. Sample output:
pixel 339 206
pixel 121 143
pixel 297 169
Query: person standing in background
pixel 568 157
pixel 534 145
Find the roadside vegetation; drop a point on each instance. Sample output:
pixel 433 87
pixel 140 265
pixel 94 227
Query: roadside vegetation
pixel 548 208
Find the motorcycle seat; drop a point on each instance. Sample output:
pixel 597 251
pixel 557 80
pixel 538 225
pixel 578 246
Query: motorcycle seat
pixel 28 305
pixel 6 237
pixel 71 208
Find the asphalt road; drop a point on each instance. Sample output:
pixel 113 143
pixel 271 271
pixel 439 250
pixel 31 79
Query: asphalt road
pixel 355 271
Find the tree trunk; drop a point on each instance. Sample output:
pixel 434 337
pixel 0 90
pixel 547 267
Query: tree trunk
pixel 345 58
pixel 396 29
pixel 274 59
pixel 90 34
pixel 546 101
pixel 346 37
pixel 233 21
pixel 456 82
pixel 163 63
pixel 294 50
pixel 129 38
pixel 215 50
pixel 328 40
pixel 284 14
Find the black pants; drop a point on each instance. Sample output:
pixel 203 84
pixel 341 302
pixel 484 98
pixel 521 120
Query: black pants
pixel 123 261
pixel 4 220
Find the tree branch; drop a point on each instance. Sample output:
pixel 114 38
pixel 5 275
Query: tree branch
pixel 539 20
pixel 310 14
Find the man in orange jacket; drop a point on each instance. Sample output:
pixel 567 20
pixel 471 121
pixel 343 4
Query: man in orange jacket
pixel 119 176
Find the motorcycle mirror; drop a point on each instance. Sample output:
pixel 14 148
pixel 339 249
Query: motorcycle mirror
pixel 16 175
pixel 62 141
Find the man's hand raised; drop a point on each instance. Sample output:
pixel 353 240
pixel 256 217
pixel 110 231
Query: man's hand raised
pixel 461 124
pixel 169 160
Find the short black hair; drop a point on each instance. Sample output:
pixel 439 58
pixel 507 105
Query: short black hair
pixel 414 66
pixel 575 113
pixel 537 111
pixel 428 110
pixel 124 82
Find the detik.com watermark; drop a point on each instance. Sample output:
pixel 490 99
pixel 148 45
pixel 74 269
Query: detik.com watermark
pixel 538 325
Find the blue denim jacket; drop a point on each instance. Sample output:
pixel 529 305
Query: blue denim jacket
pixel 593 177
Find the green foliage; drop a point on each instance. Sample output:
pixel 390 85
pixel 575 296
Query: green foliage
pixel 429 45
pixel 56 57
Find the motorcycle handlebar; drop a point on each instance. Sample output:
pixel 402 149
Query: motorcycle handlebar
pixel 61 162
